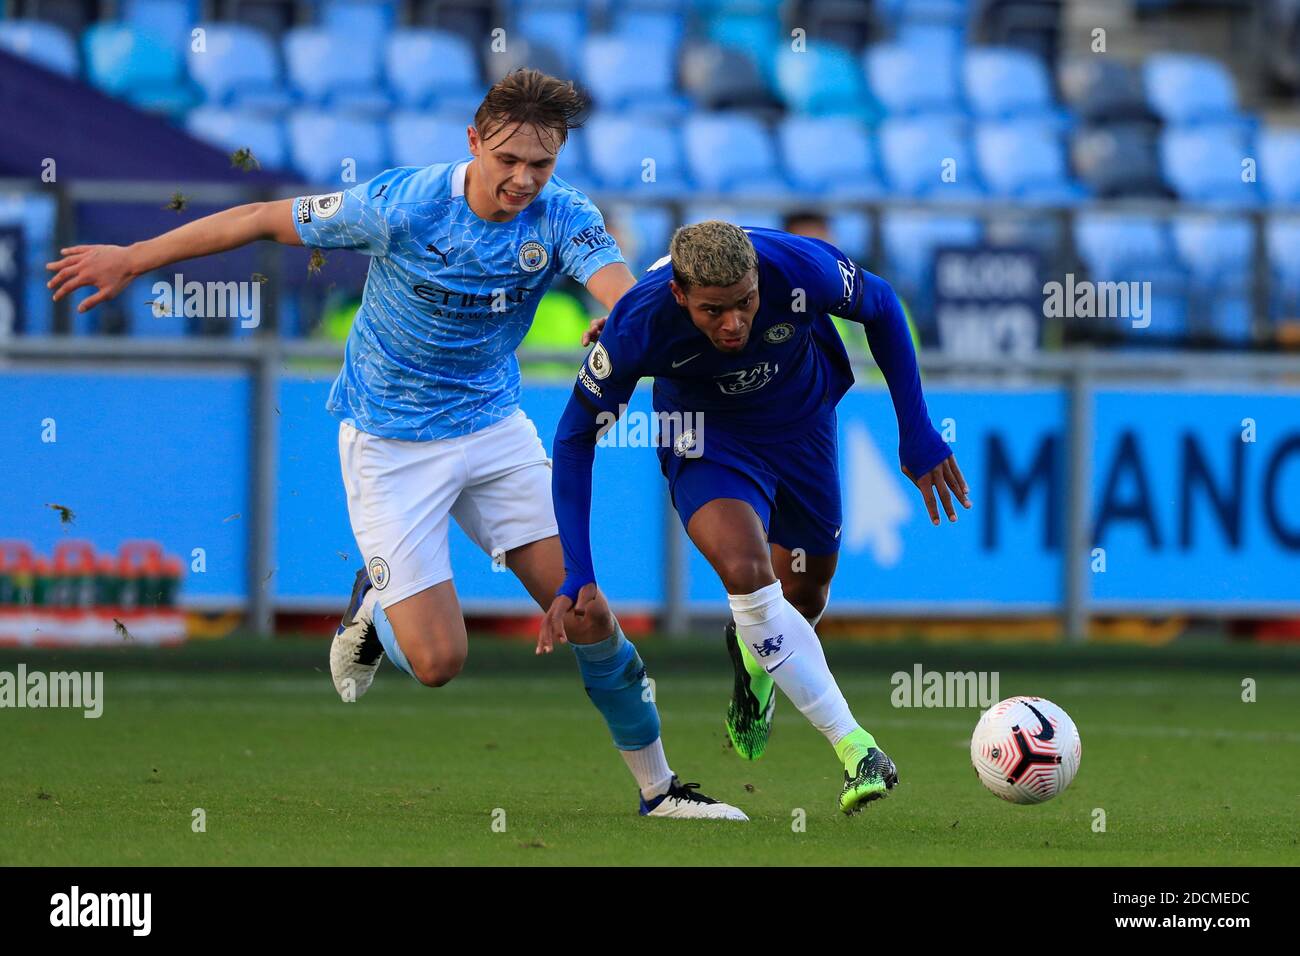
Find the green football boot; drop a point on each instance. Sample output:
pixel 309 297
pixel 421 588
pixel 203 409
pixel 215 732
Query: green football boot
pixel 869 774
pixel 753 700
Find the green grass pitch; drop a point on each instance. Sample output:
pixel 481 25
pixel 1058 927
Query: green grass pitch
pixel 252 732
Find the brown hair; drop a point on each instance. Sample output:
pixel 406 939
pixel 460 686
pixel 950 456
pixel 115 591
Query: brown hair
pixel 532 97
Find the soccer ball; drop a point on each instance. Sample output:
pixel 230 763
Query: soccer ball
pixel 1025 749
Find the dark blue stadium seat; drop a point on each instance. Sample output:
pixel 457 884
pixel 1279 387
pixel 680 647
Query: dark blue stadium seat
pixel 1025 159
pixel 138 67
pixel 336 70
pixel 759 36
pixel 234 129
pixel 1186 88
pixel 909 79
pixel 432 69
pixel 829 156
pixel 625 73
pixel 915 152
pixel 729 153
pixel 42 43
pixel 1120 161
pixel 1103 90
pixel 1005 83
pixel 320 141
pixel 722 78
pixel 619 146
pixel 825 80
pixel 561 27
pixel 1204 164
pixel 240 66
pixel 1283 236
pixel 1278 154
pixel 418 139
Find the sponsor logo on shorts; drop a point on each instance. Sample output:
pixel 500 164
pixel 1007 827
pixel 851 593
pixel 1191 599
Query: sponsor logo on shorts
pixel 532 256
pixel 588 382
pixel 599 362
pixel 324 207
pixel 778 333
pixel 378 569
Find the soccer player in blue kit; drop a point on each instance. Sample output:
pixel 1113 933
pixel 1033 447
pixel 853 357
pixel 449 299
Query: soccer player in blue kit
pixel 734 325
pixel 430 426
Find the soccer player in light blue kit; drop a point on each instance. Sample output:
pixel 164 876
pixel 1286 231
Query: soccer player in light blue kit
pixel 428 397
pixel 734 325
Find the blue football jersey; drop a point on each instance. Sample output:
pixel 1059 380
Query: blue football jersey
pixel 448 296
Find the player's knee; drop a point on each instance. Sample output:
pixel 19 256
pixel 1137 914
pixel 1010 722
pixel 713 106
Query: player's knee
pixel 435 670
pixel 745 574
pixel 809 599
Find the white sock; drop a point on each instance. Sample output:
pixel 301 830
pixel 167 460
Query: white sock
pixel 650 767
pixel 784 643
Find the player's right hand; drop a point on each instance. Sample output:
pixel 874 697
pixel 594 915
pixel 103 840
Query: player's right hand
pixel 107 268
pixel 944 476
pixel 592 335
pixel 552 631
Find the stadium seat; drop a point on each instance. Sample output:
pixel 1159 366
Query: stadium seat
pixel 1120 161
pixel 1102 90
pixel 1004 83
pixel 1219 253
pixel 851 233
pixel 759 36
pixel 1204 164
pixel 35 213
pixel 1121 247
pixel 916 152
pixel 1278 154
pixel 1185 88
pixel 643 232
pixel 561 27
pixel 910 239
pixel 41 43
pixel 232 130
pixel 825 80
pixel 660 27
pixel 909 79
pixel 135 66
pixel 626 73
pixel 432 69
pixel 730 153
pixel 747 216
pixel 167 20
pixel 1283 236
pixel 320 142
pixel 1025 159
pixel 850 23
pixel 368 20
pixel 336 70
pixel 240 66
pixel 721 78
pixel 418 139
pixel 523 53
pixel 618 147
pixel 829 156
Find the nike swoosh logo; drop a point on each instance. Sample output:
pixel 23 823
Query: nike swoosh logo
pixel 1047 733
pixel 780 662
pixel 685 360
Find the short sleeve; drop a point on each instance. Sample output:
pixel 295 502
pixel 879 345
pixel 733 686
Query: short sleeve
pixel 357 218
pixel 585 247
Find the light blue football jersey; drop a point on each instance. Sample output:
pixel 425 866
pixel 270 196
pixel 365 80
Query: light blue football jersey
pixel 448 297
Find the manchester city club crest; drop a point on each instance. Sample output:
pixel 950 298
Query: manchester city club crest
pixel 378 569
pixel 532 256
pixel 778 333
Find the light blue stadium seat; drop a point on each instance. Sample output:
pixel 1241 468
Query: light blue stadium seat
pixel 418 139
pixel 851 233
pixel 901 12
pixel 336 70
pixel 240 66
pixel 1025 159
pixel 1204 164
pixel 231 130
pixel 1219 252
pixel 1123 247
pixel 829 156
pixel 432 68
pixel 741 215
pixel 910 239
pixel 619 146
pixel 661 27
pixel 35 213
pixel 936 39
pixel 320 141
pixel 825 80
pixel 627 73
pixel 643 232
pixel 1006 83
pixel 910 79
pixel 1187 88
pixel 138 67
pixel 914 154
pixel 42 43
pixel 371 20
pixel 168 20
pixel 1278 154
pixel 729 153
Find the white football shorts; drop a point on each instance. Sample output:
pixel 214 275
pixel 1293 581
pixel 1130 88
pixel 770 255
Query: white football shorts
pixel 495 482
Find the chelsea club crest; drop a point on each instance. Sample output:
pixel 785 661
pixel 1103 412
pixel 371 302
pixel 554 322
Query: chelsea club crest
pixel 778 333
pixel 532 256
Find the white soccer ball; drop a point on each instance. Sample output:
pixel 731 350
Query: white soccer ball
pixel 1025 749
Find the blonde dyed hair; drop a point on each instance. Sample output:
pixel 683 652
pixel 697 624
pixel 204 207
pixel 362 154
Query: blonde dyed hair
pixel 711 253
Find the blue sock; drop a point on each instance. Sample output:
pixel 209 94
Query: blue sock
pixel 615 680
pixel 386 637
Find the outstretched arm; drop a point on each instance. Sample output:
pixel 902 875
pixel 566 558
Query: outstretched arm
pixel 110 269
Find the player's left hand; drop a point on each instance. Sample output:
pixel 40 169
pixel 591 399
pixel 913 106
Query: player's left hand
pixel 592 335
pixel 552 631
pixel 943 476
